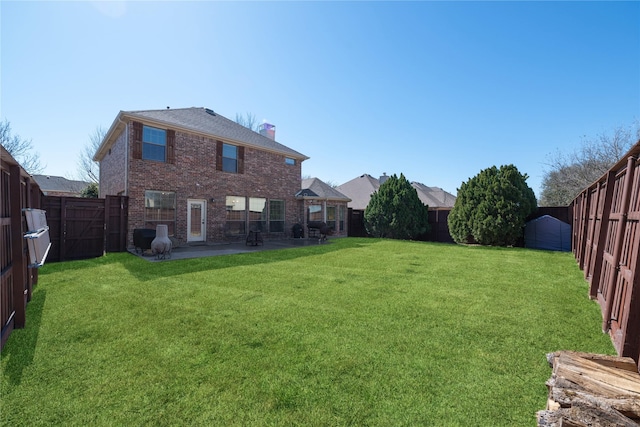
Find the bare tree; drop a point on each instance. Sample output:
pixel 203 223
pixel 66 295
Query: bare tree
pixel 248 121
pixel 21 149
pixel 88 170
pixel 570 173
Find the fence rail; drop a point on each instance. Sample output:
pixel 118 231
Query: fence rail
pixel 606 242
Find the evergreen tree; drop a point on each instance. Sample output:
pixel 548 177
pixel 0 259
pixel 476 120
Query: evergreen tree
pixel 395 211
pixel 491 207
pixel 91 191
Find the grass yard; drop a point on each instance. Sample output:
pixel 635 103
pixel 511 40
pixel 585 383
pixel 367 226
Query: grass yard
pixel 355 332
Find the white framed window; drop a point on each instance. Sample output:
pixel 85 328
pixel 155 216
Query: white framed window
pixel 154 144
pixel 160 208
pixel 236 215
pixel 276 216
pixel 229 158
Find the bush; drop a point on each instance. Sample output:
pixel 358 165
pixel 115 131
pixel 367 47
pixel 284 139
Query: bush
pixel 396 211
pixel 491 207
pixel 91 191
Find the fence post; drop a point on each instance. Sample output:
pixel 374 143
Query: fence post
pixel 17 247
pixel 124 219
pixel 63 228
pixel 106 228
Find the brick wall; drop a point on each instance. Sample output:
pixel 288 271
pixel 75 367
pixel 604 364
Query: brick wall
pixel 194 176
pixel 113 168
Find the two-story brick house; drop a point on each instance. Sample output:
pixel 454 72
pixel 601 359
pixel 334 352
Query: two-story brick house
pixel 206 177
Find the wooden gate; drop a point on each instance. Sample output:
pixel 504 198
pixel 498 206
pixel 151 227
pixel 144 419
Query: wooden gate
pixel 81 228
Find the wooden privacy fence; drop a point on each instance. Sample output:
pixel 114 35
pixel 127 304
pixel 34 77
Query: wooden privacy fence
pixel 82 228
pixel 17 191
pixel 606 242
pixel 439 231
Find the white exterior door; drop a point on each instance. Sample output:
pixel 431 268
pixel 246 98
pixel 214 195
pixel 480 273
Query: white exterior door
pixel 196 220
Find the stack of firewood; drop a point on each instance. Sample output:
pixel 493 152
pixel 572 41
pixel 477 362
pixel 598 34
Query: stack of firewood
pixel 587 390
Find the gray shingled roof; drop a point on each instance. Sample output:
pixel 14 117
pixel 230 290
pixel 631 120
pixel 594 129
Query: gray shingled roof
pixel 204 120
pixel 434 197
pixel 360 189
pixel 59 184
pixel 322 190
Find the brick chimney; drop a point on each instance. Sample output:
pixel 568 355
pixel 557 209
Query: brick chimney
pixel 268 130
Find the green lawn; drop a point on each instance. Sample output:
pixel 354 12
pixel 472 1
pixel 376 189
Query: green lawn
pixel 355 332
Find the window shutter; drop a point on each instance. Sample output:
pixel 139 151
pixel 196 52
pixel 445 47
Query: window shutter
pixel 137 140
pixel 219 155
pixel 240 159
pixel 171 143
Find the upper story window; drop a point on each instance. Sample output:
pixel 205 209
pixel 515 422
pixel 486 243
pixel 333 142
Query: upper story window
pixel 154 142
pixel 229 158
pixel 289 161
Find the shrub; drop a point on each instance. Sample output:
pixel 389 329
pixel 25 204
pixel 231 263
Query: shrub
pixel 91 191
pixel 396 211
pixel 491 207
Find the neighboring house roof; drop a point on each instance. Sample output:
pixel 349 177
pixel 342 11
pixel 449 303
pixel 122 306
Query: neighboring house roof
pixel 361 188
pixel 434 197
pixel 58 185
pixel 314 188
pixel 196 120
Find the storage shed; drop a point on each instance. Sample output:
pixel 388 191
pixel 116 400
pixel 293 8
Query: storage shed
pixel 549 233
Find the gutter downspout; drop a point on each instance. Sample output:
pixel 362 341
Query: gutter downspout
pixel 126 157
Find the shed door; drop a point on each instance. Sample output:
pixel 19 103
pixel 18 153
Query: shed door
pixel 196 221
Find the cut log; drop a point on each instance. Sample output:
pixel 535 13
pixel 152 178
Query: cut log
pixel 583 416
pixel 563 394
pixel 626 363
pixel 596 378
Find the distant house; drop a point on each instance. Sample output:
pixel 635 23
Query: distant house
pixel 434 197
pixel 206 177
pixel 323 203
pixel 360 189
pixel 60 186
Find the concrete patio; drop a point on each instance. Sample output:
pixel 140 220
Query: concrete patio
pixel 201 250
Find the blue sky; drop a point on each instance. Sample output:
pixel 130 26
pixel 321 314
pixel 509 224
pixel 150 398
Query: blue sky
pixel 435 90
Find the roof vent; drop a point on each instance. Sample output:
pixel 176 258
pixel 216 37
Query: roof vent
pixel 383 178
pixel 208 111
